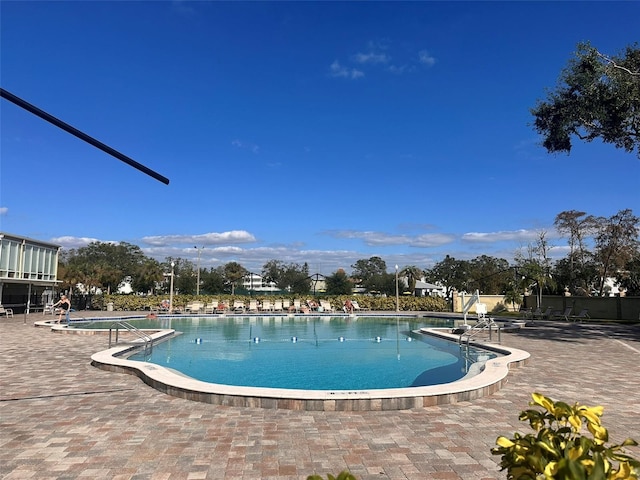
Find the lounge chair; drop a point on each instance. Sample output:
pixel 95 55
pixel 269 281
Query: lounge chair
pixel 356 307
pixel 194 307
pixel 540 315
pixel 7 312
pixel 566 314
pixel 526 312
pixel 583 315
pixel 238 306
pixel 211 307
pixel 253 306
pixel 267 306
pixel 297 305
pixel 326 306
pixel 277 305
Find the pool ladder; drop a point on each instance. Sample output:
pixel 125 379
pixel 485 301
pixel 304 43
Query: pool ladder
pixel 484 323
pixel 145 337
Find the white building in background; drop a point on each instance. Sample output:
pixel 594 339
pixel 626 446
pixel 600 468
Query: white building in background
pixel 28 272
pixel 254 282
pixel 424 289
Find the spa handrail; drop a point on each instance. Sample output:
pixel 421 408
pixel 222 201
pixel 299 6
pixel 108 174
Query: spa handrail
pixel 484 324
pixel 145 337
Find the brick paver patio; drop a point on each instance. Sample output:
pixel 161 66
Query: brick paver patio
pixel 61 418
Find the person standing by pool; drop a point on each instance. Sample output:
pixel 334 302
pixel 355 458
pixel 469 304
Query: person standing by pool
pixel 64 305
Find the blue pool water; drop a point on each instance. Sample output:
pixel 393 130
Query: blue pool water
pixel 312 353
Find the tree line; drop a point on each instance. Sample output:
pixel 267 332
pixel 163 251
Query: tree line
pixel 599 248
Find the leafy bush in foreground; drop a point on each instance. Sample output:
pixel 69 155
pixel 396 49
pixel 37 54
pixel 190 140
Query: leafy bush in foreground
pixel 342 476
pixel 559 452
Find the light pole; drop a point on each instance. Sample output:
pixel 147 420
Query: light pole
pixel 198 278
pixel 171 289
pixel 397 295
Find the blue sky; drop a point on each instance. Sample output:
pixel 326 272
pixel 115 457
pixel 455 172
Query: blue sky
pixel 300 131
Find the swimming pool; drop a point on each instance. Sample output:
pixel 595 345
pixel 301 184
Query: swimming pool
pixel 313 353
pixel 284 332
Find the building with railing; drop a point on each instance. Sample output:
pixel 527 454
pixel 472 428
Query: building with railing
pixel 253 282
pixel 28 272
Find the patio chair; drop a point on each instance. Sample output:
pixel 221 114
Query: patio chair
pixel 194 307
pixel 566 314
pixel 526 312
pixel 211 306
pixel 583 315
pixel 253 306
pixel 267 306
pixel 277 305
pixel 326 306
pixel 7 312
pixel 238 306
pixel 540 315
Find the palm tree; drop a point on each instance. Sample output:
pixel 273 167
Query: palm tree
pixel 412 274
pixel 233 273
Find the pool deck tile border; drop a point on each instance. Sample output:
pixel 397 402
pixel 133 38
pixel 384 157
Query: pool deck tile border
pixel 63 419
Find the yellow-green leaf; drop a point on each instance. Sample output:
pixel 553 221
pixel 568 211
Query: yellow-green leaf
pixel 600 434
pixel 575 453
pixel 551 469
pixel 543 401
pixel 592 414
pixel 575 421
pixel 504 442
pixel 623 473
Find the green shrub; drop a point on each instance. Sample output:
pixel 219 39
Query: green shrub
pixel 558 451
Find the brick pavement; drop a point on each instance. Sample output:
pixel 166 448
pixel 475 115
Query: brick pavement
pixel 61 418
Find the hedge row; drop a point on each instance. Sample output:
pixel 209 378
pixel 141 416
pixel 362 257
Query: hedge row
pixel 134 303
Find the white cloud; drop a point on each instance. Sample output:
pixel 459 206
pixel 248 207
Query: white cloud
pixel 432 240
pixel 515 235
pixel 339 71
pixel 253 259
pixel 246 146
pixel 371 58
pixel 420 249
pixel 234 236
pixel 4 210
pixel 69 242
pixel 400 69
pixel 426 59
pixel 383 239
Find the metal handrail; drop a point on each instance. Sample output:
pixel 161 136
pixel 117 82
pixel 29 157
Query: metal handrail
pixel 483 324
pixel 148 339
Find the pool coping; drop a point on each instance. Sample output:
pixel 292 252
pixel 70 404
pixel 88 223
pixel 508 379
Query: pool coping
pixel 492 377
